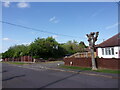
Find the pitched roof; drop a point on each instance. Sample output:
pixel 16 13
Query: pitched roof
pixel 113 41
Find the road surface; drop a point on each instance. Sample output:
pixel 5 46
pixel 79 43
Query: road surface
pixel 20 77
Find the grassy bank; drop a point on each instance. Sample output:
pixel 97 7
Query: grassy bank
pixel 84 68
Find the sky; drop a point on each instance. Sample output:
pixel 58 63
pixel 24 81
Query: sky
pixel 73 19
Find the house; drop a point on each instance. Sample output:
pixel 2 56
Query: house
pixel 109 48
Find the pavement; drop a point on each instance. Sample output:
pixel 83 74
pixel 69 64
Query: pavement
pixel 49 75
pixel 56 66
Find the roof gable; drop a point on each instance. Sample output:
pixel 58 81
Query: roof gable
pixel 113 41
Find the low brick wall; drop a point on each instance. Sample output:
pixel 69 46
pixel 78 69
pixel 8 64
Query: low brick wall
pixel 108 63
pixel 83 62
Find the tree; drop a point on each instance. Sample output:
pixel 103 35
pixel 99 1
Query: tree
pixel 46 48
pixel 92 38
pixel 82 46
pixel 16 51
pixel 72 47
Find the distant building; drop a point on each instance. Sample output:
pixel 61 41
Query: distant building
pixel 109 48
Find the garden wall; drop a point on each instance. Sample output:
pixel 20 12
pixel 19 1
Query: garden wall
pixel 108 63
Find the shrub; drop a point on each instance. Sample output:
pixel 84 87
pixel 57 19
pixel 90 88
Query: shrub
pixel 97 56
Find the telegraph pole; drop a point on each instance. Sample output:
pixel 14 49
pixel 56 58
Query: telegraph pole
pixel 92 38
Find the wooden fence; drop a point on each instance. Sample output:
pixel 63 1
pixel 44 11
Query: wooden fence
pixel 82 55
pixel 20 59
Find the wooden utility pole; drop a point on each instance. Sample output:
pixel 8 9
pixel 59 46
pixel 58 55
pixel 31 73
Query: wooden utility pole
pixel 92 38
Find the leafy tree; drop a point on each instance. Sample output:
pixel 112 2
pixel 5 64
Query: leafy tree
pixel 16 51
pixel 0 55
pixel 73 47
pixel 46 48
pixel 82 46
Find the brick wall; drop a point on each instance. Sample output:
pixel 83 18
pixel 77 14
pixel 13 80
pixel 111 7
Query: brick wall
pixel 83 62
pixel 108 63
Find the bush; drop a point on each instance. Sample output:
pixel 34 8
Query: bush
pixel 51 59
pixel 97 56
pixel 36 57
pixel 113 57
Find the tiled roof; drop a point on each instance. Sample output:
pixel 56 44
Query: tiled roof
pixel 113 41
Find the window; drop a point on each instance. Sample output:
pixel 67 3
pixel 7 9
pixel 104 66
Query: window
pixel 107 51
pixel 102 51
pixel 112 49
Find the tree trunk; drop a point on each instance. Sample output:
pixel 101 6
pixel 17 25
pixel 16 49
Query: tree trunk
pixel 93 60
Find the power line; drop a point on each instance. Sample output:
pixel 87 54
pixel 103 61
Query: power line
pixel 38 29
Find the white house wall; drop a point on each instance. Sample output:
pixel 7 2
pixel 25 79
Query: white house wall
pixel 116 49
pixel 116 53
pixel 119 51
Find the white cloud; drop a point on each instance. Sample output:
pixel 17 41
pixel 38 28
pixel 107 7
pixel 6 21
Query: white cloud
pixel 23 5
pixel 6 4
pixel 6 39
pixel 112 26
pixel 27 43
pixel 53 20
pixel 55 36
pixel 56 21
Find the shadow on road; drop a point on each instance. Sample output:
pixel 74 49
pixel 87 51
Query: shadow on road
pixel 60 80
pixel 4 71
pixel 13 77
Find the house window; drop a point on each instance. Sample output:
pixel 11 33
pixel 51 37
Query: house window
pixel 102 51
pixel 107 51
pixel 112 49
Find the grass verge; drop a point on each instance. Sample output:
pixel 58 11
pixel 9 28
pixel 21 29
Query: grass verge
pixel 52 61
pixel 18 63
pixel 84 68
pixel 108 71
pixel 74 67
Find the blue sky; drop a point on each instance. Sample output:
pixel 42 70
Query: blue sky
pixel 70 18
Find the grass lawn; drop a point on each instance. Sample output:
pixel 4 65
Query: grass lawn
pixel 84 68
pixel 52 61
pixel 19 63
pixel 73 67
pixel 108 71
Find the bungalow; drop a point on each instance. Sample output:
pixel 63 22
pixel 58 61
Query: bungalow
pixel 109 48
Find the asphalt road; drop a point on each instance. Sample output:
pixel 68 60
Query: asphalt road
pixel 19 77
